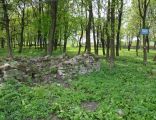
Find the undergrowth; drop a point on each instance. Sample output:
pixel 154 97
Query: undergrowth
pixel 129 87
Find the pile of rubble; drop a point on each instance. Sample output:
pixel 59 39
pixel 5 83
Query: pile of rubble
pixel 47 69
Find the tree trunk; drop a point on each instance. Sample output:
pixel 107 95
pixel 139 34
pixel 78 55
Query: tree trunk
pixel 65 37
pixel 154 44
pixel 88 29
pixel 103 41
pixel 6 18
pixel 129 45
pixel 112 42
pixel 144 45
pixel 148 44
pixel 2 42
pixel 94 37
pixel 98 27
pixel 98 38
pixel 143 7
pixel 65 45
pixel 56 40
pixel 53 27
pixel 22 30
pixel 80 40
pixel 108 31
pixel 45 43
pixel 119 27
pixel 137 46
pixel 39 25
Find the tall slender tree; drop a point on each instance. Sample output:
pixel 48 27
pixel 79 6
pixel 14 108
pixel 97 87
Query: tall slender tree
pixel 54 4
pixel 40 23
pixel 88 28
pixel 143 7
pixel 120 12
pixel 22 6
pixel 112 39
pixel 7 27
pixel 108 30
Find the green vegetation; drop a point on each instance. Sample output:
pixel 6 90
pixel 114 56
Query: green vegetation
pixel 26 52
pixel 53 70
pixel 77 60
pixel 126 92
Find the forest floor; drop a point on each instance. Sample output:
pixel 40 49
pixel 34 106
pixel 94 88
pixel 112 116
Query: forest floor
pixel 125 92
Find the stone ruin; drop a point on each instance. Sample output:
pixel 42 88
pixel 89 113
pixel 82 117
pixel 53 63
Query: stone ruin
pixel 48 69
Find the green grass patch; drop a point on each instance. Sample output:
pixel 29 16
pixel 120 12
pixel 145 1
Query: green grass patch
pixel 128 88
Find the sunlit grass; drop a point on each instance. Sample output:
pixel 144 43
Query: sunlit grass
pixel 129 87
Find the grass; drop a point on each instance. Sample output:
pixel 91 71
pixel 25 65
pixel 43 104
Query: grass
pixel 26 52
pixel 129 87
pixel 37 52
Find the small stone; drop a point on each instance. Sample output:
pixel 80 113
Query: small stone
pixel 22 67
pixel 78 57
pixel 60 72
pixel 85 55
pixel 60 68
pixel 97 66
pixel 6 66
pixel 82 70
pixel 67 62
pixel 120 112
pixel 14 73
pixel 74 61
pixel 90 105
pixel 90 70
pixel 14 64
pixel 91 60
pixel 58 84
pixel 47 57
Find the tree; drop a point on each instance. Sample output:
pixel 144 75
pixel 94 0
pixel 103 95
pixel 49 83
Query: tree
pixel 54 4
pixel 6 23
pixel 108 30
pixel 120 12
pixel 88 28
pixel 82 26
pixel 143 7
pixel 40 23
pixel 99 31
pixel 112 37
pixel 22 6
